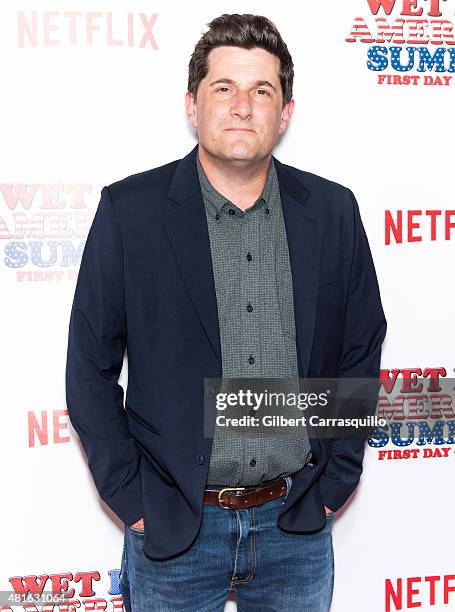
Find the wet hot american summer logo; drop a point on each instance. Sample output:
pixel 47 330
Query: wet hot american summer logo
pixel 418 406
pixel 79 590
pixel 43 228
pixel 407 39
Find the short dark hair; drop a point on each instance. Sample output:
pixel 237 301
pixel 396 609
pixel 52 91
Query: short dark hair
pixel 246 31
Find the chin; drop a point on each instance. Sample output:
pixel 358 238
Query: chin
pixel 239 151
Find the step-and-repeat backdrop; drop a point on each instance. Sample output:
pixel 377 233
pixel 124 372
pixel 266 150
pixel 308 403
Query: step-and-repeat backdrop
pixel 93 91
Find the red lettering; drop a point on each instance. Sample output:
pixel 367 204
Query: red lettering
pixel 396 229
pixel 60 584
pixel 433 214
pixel 86 579
pixel 410 382
pixel 408 5
pixel 387 5
pixel 449 223
pixel 432 580
pixel 37 429
pixel 413 225
pixel 59 425
pixel 411 592
pixel 388 382
pixel 448 588
pixel 434 374
pixel 393 596
pixel 434 9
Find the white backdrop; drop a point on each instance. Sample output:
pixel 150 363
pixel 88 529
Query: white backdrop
pixel 83 104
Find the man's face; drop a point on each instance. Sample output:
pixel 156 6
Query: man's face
pixel 239 111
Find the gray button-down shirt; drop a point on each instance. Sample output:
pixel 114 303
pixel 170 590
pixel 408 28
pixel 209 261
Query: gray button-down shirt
pixel 253 285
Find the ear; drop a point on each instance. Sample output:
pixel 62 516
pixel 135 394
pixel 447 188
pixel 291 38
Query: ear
pixel 286 114
pixel 190 105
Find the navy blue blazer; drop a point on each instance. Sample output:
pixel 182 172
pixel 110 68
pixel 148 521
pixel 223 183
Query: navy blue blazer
pixel 146 285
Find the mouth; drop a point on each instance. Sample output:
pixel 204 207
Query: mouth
pixel 238 130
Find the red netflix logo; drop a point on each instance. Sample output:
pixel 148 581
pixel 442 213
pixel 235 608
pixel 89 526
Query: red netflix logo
pixel 418 225
pixel 44 429
pixel 49 28
pixel 406 593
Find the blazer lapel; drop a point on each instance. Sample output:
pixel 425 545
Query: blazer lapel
pixel 186 225
pixel 304 244
pixel 303 232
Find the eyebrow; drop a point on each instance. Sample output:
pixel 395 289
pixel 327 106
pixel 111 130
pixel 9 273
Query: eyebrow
pixel 232 82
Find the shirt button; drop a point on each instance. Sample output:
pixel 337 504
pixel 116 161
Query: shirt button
pixel 251 359
pixel 249 307
pixel 249 257
pixel 253 462
pixel 200 459
pixel 217 216
pixel 267 210
pixel 231 211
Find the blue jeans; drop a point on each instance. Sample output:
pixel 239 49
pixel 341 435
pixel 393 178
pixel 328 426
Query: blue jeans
pixel 236 550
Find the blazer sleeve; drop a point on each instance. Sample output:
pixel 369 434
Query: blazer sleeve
pixel 364 331
pixel 96 346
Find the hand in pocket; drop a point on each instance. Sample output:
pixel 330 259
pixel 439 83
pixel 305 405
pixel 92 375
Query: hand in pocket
pixel 138 524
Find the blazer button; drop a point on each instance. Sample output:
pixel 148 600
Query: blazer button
pixel 200 459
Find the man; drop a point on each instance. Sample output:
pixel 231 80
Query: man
pixel 226 263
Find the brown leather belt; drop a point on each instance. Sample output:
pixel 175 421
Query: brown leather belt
pixel 245 497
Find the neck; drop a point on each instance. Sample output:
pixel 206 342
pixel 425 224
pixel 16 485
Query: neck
pixel 239 181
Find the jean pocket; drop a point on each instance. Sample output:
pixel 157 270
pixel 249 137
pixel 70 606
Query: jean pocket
pixel 136 530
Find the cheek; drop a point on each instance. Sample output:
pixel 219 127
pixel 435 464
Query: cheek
pixel 270 129
pixel 210 127
pixel 270 120
pixel 211 118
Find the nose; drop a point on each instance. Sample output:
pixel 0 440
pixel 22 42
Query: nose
pixel 241 105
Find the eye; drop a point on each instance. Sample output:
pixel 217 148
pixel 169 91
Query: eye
pixel 223 87
pixel 264 91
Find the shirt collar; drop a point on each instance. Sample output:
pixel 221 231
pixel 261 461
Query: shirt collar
pixel 219 204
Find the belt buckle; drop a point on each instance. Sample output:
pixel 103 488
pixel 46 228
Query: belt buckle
pixel 220 503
